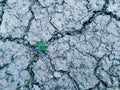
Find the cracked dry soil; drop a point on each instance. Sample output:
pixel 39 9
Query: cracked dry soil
pixel 82 38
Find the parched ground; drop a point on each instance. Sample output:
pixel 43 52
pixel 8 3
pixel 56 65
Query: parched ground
pixel 82 39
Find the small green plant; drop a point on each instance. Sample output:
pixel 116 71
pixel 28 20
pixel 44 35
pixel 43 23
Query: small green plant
pixel 30 80
pixel 41 47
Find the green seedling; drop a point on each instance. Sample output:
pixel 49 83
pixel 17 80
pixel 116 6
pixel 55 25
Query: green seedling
pixel 30 80
pixel 41 47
